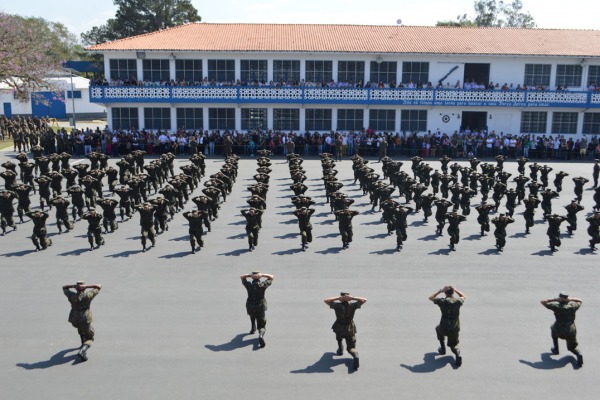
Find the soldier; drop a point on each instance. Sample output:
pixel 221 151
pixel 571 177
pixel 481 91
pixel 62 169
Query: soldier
pixel 521 181
pixel 442 207
pixel 94 232
pixel 24 201
pixel 593 229
pixel 7 210
pixel 40 234
pixel 195 218
pixel 162 212
pixel 521 161
pixel 10 178
pixel 400 216
pixel 81 315
pixel 252 216
pixel 62 213
pixel 547 196
pixel 500 232
pixel 596 172
pixel 110 216
pixel 124 192
pixel 511 201
pixel 553 231
pixel 544 171
pixel 572 210
pixel 564 308
pixel 345 306
pixel 450 322
pixel 44 190
pixel 256 304
pixel 483 218
pixel 344 218
pixel 579 183
pixel 531 204
pixel 454 221
pixel 303 214
pixel 76 193
pixel 558 180
pixel 146 211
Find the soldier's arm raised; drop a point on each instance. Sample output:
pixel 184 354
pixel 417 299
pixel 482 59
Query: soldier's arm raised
pixel 433 296
pixel 330 300
pixel 458 292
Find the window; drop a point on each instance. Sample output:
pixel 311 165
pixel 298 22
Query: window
pixel 190 118
pixel 157 118
pixel 351 71
pixel 318 119
pixel 221 70
pixel 384 71
pixel 286 119
pixel 533 121
pixel 564 122
pixel 123 69
pixel 125 118
pixel 190 70
pixel 537 74
pixel 319 71
pixel 591 123
pixel 76 93
pixel 254 70
pixel 253 118
pixel 156 70
pixel 413 120
pixel 221 118
pixel 594 75
pixel 286 71
pixel 350 120
pixel 382 120
pixel 415 72
pixel 568 75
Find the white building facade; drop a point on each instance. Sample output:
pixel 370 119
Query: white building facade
pixel 237 84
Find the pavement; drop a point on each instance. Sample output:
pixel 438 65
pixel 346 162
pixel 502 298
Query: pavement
pixel 173 324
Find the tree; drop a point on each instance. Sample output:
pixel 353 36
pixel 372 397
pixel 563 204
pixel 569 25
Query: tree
pixel 135 17
pixel 27 53
pixel 495 14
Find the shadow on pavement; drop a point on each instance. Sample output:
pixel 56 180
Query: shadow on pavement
pixel 287 236
pixel 238 223
pixel 289 222
pixel 332 250
pixel 180 238
pixel 287 252
pixel 329 235
pixel 490 252
pixel 323 214
pixel 237 342
pixel 548 362
pixel 240 236
pixel 378 236
pixel 418 223
pixel 441 252
pixel 126 253
pixel 475 236
pixel 428 238
pixel 386 251
pixel 430 363
pixel 236 253
pixel 543 253
pixel 59 358
pixel 178 255
pixel 585 251
pixel 325 365
pixel 519 235
pixel 328 222
pixel 76 252
pixel 377 222
pixel 18 253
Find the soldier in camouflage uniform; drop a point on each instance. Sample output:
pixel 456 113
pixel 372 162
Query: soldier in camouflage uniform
pixel 81 315
pixel 94 232
pixel 450 322
pixel 256 304
pixel 147 223
pixel 196 230
pixel 345 306
pixel 564 308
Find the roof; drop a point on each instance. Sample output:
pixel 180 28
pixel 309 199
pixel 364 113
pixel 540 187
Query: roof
pixel 378 39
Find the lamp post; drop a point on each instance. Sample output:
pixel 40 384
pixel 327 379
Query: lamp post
pixel 73 98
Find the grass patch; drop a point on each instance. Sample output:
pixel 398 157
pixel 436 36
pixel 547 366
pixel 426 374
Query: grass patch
pixel 6 143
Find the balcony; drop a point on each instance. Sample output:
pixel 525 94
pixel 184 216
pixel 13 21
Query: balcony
pixel 349 96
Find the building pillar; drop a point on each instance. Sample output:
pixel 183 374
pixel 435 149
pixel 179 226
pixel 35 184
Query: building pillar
pixel 140 69
pixel 174 126
pixel 238 119
pixel 334 119
pixel 141 122
pixel 302 126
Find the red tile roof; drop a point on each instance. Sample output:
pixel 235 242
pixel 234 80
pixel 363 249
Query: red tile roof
pixel 362 39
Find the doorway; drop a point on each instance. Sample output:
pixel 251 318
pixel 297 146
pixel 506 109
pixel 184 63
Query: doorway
pixel 479 73
pixel 474 120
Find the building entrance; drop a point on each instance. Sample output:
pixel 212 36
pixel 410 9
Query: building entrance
pixel 473 120
pixel 477 73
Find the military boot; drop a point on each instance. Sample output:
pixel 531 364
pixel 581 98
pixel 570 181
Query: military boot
pixel 554 348
pixel 579 360
pixel 355 362
pixel 442 348
pixel 83 352
pixel 458 357
pixel 340 350
pixel 253 329
pixel 261 340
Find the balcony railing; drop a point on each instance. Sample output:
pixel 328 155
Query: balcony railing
pixel 310 95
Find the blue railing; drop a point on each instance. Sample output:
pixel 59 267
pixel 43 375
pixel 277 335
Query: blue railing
pixel 360 96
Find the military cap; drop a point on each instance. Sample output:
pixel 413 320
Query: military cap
pixel 344 293
pixel 563 295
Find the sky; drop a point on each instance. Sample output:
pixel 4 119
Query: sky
pixel 81 15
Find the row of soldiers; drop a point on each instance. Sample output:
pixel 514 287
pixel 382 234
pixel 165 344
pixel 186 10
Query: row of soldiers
pixel 494 178
pixel 257 200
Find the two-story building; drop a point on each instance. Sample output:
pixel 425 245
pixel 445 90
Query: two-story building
pixel 301 77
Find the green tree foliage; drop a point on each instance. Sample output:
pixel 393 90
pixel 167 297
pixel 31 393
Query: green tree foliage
pixel 135 17
pixel 495 14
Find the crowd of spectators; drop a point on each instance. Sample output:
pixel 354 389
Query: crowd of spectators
pixel 467 85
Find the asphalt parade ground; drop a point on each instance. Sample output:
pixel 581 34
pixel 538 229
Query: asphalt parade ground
pixel 171 324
